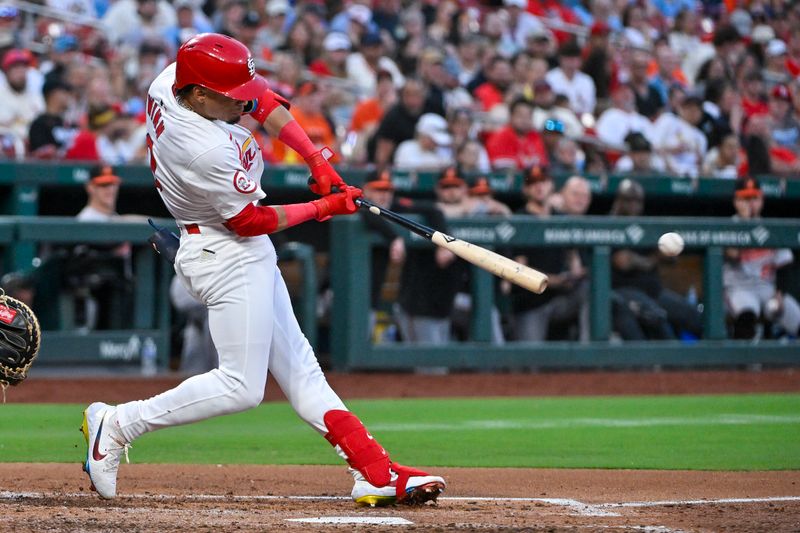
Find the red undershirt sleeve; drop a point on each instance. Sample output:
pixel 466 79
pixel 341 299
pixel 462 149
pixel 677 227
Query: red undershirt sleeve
pixel 260 220
pixel 293 136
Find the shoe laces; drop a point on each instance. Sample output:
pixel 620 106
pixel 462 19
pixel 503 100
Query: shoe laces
pixel 121 447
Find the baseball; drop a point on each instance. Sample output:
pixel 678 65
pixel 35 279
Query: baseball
pixel 670 244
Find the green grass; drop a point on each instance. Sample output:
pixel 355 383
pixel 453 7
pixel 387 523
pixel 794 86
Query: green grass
pixel 747 432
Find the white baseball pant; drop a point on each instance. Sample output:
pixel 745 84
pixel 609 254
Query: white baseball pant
pixel 254 330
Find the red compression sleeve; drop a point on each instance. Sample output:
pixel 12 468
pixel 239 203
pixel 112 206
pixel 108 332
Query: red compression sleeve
pixel 295 138
pixel 259 220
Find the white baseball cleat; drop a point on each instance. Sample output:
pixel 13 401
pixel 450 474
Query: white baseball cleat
pixel 408 486
pixel 104 448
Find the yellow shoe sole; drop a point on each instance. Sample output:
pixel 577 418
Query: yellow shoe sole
pixel 418 496
pixel 376 501
pixel 85 427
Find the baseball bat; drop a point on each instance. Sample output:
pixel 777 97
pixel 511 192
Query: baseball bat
pixel 502 267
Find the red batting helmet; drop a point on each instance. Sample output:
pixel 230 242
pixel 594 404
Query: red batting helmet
pixel 219 63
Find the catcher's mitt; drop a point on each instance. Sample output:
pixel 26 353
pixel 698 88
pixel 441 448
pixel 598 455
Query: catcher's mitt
pixel 20 336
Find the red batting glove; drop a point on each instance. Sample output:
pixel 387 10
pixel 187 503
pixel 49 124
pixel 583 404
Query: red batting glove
pixel 323 176
pixel 339 203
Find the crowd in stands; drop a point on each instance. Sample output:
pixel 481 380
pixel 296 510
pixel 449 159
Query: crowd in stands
pixel 460 87
pixel 680 87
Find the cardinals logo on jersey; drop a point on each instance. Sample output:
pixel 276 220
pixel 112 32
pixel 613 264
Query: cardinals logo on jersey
pixel 243 183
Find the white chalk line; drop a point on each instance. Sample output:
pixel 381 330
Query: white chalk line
pixel 570 423
pixel 575 505
pixel 376 520
pixel 702 502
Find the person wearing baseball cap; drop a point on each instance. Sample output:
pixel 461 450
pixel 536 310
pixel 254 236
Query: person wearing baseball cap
pixel 679 136
pixel 643 307
pixel 105 269
pixel 379 188
pixel 749 275
pixel 533 316
pixel 208 173
pixel 775 63
pixel 481 201
pixel 640 159
pixel 102 190
pixel 430 148
pixel 390 249
pixel 452 193
pixel 783 125
pixel 537 187
pixel 50 134
pixel 335 49
pixel 369 59
pixel 21 102
pixel 540 43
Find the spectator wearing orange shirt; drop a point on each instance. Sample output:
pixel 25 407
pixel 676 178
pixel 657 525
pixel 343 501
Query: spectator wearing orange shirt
pixel 307 109
pixel 367 115
pixel 517 145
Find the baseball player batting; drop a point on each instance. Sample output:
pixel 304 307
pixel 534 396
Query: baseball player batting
pixel 207 170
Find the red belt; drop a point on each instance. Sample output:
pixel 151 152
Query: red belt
pixel 192 229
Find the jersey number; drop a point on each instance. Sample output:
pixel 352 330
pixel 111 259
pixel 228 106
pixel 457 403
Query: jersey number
pixel 153 165
pixel 154 116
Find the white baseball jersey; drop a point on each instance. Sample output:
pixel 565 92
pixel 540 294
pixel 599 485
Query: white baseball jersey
pixel 205 171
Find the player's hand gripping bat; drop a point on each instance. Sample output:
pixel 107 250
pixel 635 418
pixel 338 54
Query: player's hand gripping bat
pixel 500 266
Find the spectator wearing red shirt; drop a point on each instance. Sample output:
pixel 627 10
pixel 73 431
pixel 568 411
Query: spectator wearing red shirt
pixel 753 101
pixel 84 147
pixel 499 77
pixel 517 145
pixel 335 48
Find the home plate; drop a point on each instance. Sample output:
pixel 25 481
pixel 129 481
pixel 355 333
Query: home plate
pixel 378 520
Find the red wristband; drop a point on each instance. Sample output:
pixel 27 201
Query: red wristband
pixel 260 220
pixel 295 138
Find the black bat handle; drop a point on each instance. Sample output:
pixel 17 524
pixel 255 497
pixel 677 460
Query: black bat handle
pixel 420 229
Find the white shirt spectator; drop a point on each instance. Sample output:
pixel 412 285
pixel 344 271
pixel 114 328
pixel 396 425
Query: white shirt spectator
pixel 411 156
pixel 683 44
pixel 684 145
pixel 124 25
pixel 359 71
pixel 90 214
pixel 518 38
pixel 79 8
pixel 18 110
pixel 713 168
pixel 693 61
pixel 624 164
pixel 580 89
pixel 615 124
